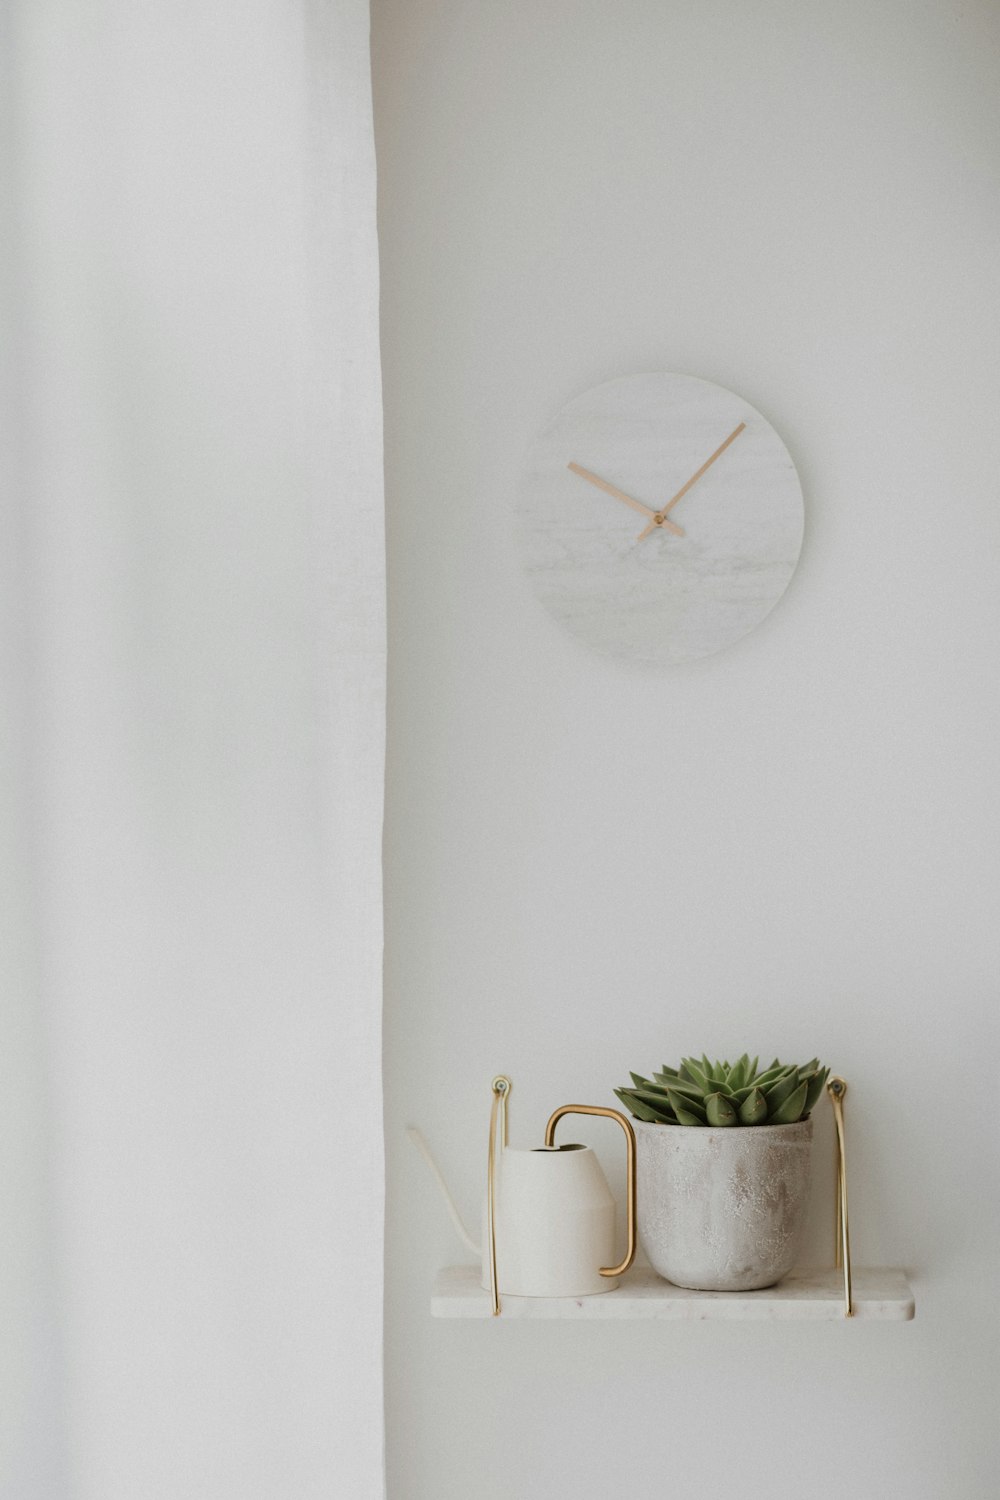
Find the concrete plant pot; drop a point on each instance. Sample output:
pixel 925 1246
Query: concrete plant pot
pixel 722 1209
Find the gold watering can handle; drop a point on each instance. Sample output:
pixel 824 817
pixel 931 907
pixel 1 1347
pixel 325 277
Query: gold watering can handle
pixel 610 1114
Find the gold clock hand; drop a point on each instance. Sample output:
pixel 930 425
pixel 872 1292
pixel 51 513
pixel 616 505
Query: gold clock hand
pixel 609 489
pixel 659 517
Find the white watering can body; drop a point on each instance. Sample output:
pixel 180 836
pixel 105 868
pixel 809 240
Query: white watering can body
pixel 555 1224
pixel 549 1215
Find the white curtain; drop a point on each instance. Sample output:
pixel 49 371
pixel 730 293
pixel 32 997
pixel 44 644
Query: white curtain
pixel 192 674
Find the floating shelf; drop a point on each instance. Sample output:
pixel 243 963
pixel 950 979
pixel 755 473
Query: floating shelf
pixel 879 1296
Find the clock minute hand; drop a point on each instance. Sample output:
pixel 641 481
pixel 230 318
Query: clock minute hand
pixel 609 489
pixel 659 517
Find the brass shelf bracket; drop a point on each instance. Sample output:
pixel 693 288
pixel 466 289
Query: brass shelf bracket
pixel 837 1089
pixel 501 1087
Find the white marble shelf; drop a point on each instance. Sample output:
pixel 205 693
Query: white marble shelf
pixel 807 1295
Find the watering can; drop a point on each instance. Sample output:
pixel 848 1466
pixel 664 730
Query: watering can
pixel 548 1215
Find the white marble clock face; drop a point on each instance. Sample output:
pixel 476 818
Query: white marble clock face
pixel 688 455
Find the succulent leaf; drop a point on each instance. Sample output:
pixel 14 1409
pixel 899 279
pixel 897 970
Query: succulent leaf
pixel 697 1074
pixel 815 1081
pixel 685 1117
pixel 719 1110
pixel 654 1099
pixel 631 1103
pixel 681 1086
pixel 791 1108
pixel 739 1073
pixel 679 1102
pixel 640 1108
pixel 753 1110
pixel 778 1092
pixel 652 1086
pixel 771 1075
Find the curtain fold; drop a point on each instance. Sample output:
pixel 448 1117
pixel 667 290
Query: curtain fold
pixel 193 669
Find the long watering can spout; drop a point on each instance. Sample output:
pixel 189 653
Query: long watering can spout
pixel 456 1218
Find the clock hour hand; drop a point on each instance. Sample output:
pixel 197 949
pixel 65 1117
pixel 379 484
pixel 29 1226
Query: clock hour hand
pixel 659 517
pixel 609 489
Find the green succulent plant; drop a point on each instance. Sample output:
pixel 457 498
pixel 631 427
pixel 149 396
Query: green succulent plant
pixel 700 1092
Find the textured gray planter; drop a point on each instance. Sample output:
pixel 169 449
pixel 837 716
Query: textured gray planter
pixel 722 1209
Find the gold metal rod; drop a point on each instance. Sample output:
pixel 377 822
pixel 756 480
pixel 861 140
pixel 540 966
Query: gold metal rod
pixel 660 517
pixel 838 1230
pixel 837 1089
pixel 705 466
pixel 501 1087
pixel 609 1114
pixel 617 494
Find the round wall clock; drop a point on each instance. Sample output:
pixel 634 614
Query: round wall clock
pixel 660 518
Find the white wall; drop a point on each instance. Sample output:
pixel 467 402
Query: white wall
pixel 792 847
